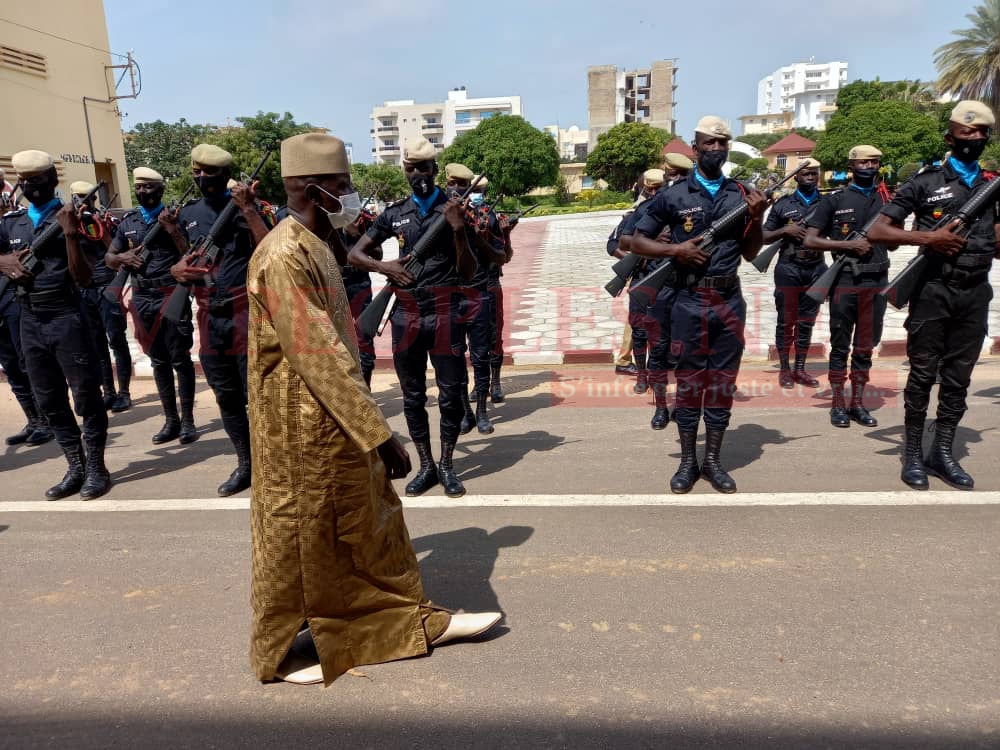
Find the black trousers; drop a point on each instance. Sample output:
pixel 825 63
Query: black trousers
pixel 167 344
pixel 59 355
pixel 12 357
pixel 435 328
pixel 856 314
pixel 223 357
pixel 653 324
pixel 108 327
pixel 481 331
pixel 707 327
pixel 945 328
pixel 360 296
pixel 796 312
pixel 497 320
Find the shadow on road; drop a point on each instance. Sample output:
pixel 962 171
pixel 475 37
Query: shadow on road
pixel 495 453
pixel 171 457
pixel 745 445
pixel 993 393
pixel 893 436
pixel 3 528
pixel 458 569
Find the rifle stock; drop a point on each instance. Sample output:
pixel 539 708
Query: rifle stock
pixel 765 256
pixel 819 291
pixel 370 319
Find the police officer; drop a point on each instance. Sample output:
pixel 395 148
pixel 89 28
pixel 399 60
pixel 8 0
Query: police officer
pixel 796 271
pixel 948 316
pixel 494 288
pixel 167 344
pixel 55 337
pixel 856 307
pixel 223 336
pixel 709 314
pixel 427 319
pixel 107 319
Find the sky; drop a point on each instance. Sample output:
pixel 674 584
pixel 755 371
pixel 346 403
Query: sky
pixel 329 62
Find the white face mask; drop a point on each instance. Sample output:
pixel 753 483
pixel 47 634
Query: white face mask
pixel 350 209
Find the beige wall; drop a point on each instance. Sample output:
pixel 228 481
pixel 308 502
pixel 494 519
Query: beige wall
pixel 44 110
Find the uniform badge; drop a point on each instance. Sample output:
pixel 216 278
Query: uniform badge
pixel 401 239
pixel 969 117
pixel 937 213
pixel 845 229
pixel 689 224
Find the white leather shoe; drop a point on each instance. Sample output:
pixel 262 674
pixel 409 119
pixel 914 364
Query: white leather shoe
pixel 467 625
pixel 312 675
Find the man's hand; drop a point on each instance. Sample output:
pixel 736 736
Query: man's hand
pixel 353 231
pixel 168 220
pixel 858 248
pixel 395 271
pixel 505 227
pixel 689 252
pixel 395 458
pixel 944 241
pixel 11 266
pixel 69 219
pixel 245 196
pixel 795 232
pixel 756 204
pixel 128 259
pixel 454 212
pixel 186 273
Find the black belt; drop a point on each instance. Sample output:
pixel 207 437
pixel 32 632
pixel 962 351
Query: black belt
pixel 158 282
pixel 972 261
pixel 718 282
pixel 803 254
pixel 49 299
pixel 860 269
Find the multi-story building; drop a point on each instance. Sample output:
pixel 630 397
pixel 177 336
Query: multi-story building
pixel 59 95
pixel 397 122
pixel 572 142
pixel 615 96
pixel 777 122
pixel 808 90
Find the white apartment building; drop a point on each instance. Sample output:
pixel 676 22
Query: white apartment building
pixel 808 90
pixel 397 122
pixel 572 142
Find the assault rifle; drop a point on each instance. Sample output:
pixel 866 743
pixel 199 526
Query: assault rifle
pixel 644 293
pixel 512 220
pixel 902 286
pixel 114 291
pixel 206 250
pixel 820 290
pixel 370 319
pixel 30 261
pixel 765 256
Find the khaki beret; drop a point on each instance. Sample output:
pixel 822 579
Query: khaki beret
pixel 145 174
pixel 972 113
pixel 653 177
pixel 482 184
pixel 678 161
pixel 713 126
pixel 458 172
pixel 420 149
pixel 29 163
pixel 313 154
pixel 808 163
pixel 207 155
pixel 81 187
pixel 864 152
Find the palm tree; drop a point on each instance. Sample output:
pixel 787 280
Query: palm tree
pixel 970 65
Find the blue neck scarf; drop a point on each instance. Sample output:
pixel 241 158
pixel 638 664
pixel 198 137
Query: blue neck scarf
pixel 38 215
pixel 712 186
pixel 150 216
pixel 968 172
pixel 808 199
pixel 864 191
pixel 424 204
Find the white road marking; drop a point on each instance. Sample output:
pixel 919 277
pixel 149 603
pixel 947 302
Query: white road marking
pixel 709 500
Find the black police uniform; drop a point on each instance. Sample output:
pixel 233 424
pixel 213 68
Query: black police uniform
pixel 797 269
pixel 428 320
pixel 856 307
pixel 58 348
pixel 167 344
pixel 949 310
pixel 222 321
pixel 107 323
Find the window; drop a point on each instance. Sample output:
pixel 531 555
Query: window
pixel 486 115
pixel 587 182
pixel 462 118
pixel 26 62
pixel 781 161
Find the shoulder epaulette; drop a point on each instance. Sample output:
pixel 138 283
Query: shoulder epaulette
pixel 928 168
pixel 400 202
pixel 15 212
pixel 133 212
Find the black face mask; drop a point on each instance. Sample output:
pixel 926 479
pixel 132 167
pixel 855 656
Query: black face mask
pixel 212 186
pixel 39 190
pixel 421 184
pixel 711 161
pixel 150 199
pixel 865 177
pixel 968 150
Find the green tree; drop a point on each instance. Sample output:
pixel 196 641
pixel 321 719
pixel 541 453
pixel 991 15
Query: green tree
pixel 907 171
pixel 896 128
pixel 858 92
pixel 760 141
pixel 562 196
pixel 387 181
pixel 970 65
pixel 625 152
pixel 515 155
pixel 165 147
pixel 752 170
pixel 739 158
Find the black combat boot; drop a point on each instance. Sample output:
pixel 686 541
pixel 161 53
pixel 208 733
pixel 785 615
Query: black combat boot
pixel 800 375
pixel 453 486
pixel 185 387
pixel 942 463
pixel 496 392
pixel 18 438
pixel 97 478
pixel 483 423
pixel 72 481
pixel 687 473
pixel 838 407
pixel 858 412
pixel 914 473
pixel 239 480
pixel 122 402
pixel 164 378
pixel 468 419
pixel 711 468
pixel 42 433
pixel 785 379
pixel 171 430
pixel 641 373
pixel 661 417
pixel 427 473
pixel 110 394
pixel 367 375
